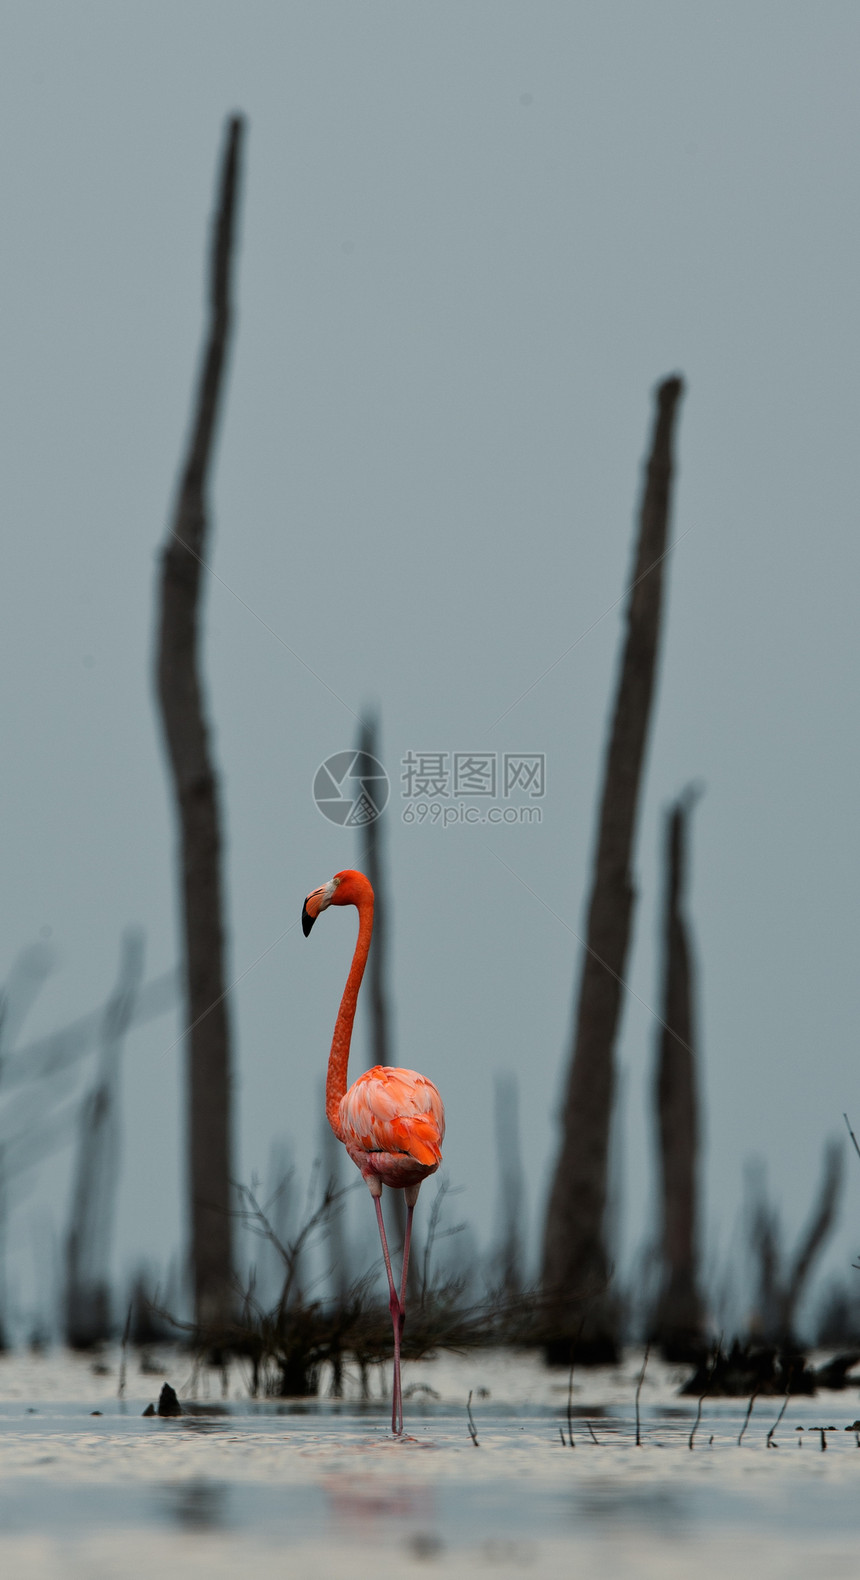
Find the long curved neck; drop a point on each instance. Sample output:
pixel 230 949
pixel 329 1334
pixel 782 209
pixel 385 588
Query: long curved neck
pixel 335 1086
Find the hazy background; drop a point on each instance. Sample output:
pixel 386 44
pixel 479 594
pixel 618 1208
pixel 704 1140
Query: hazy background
pixel 473 237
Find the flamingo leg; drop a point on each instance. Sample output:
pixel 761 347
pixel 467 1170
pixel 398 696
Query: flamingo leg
pixel 395 1306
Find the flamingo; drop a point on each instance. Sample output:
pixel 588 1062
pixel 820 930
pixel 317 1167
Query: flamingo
pixel 391 1121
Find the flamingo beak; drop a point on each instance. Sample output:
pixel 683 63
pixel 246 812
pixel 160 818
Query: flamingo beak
pixel 318 900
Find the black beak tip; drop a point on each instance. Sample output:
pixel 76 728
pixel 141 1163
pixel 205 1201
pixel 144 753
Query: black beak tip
pixel 307 919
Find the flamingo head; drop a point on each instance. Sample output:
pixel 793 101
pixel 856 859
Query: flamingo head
pixel 345 888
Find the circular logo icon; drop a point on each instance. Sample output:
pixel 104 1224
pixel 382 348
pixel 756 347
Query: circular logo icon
pixel 351 788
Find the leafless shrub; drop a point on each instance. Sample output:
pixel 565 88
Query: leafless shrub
pixel 287 1342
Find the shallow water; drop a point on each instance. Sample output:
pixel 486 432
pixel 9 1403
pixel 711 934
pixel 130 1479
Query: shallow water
pixel 239 1488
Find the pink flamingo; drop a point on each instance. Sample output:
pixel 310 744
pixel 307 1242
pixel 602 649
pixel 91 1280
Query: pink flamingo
pixel 391 1121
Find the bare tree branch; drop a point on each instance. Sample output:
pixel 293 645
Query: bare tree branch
pixel 816 1234
pixel 46 1056
pixel 256 1218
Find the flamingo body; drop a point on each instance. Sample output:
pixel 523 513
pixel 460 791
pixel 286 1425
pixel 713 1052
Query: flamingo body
pixel 392 1124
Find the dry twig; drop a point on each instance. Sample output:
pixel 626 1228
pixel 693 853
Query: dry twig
pixel 639 1390
pixel 708 1381
pixel 770 1443
pixel 753 1397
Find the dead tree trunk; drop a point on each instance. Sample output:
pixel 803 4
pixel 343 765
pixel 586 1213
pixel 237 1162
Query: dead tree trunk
pixel 180 693
pixel 88 1314
pixel 16 998
pixel 372 864
pixel 3 1338
pixel 508 1270
pixel 678 1320
pixel 765 1245
pixel 575 1265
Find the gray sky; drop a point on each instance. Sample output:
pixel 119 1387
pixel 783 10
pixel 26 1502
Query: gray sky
pixel 473 238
